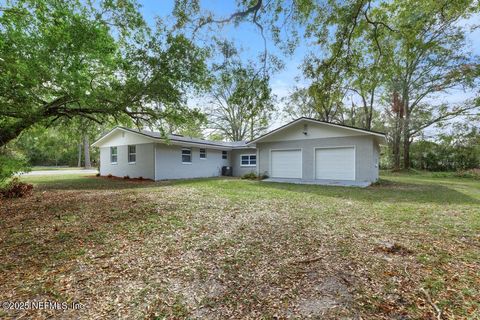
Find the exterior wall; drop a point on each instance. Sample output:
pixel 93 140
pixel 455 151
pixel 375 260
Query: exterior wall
pixel 143 167
pixel 376 160
pixel 238 169
pixel 169 164
pixel 364 155
pixel 307 130
pixel 123 138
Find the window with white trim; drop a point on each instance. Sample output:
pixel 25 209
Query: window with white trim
pixel 248 160
pixel 186 155
pixel 132 154
pixel 113 155
pixel 224 155
pixel 203 153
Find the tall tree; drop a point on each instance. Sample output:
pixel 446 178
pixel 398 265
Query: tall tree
pixel 399 54
pixel 323 98
pixel 95 60
pixel 86 151
pixel 241 98
pixel 429 56
pixel 79 155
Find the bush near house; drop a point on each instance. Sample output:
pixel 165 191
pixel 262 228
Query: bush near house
pixel 16 189
pixel 254 176
pixel 11 163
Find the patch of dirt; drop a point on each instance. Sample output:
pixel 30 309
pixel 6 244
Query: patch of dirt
pixel 393 248
pixel 331 296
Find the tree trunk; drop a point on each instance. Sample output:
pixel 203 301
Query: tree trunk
pixel 406 140
pixel 406 152
pixel 368 122
pixel 406 128
pixel 86 151
pixel 396 145
pixel 79 163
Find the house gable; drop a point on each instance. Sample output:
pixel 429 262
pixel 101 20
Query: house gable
pixel 306 128
pixel 121 137
pixel 309 130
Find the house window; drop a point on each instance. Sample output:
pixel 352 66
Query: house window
pixel 132 154
pixel 186 155
pixel 203 153
pixel 113 155
pixel 248 160
pixel 224 154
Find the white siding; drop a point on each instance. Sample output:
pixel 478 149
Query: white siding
pixel 143 166
pixel 364 162
pixel 169 164
pixel 122 138
pixel 312 130
pixel 238 169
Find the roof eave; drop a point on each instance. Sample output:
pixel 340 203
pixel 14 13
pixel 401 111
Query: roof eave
pixel 373 133
pixel 161 140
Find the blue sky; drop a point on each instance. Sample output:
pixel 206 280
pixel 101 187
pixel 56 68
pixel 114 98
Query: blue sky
pixel 247 37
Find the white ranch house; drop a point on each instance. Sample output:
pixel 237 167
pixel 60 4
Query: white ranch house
pixel 302 151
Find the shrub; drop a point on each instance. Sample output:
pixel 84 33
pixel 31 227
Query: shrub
pixel 97 175
pixel 16 189
pixel 126 177
pixel 140 178
pixel 253 176
pixel 109 175
pixel 11 163
pixel 472 173
pixel 250 176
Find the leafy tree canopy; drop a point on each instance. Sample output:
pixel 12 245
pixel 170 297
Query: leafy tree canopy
pixel 96 60
pixel 241 101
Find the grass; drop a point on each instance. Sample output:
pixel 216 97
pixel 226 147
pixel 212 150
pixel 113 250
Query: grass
pixel 408 247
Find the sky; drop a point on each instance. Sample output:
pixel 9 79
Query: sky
pixel 248 38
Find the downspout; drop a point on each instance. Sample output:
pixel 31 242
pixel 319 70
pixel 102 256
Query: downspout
pixel 155 162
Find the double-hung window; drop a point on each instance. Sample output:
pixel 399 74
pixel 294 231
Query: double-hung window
pixel 203 153
pixel 248 160
pixel 113 155
pixel 186 155
pixel 132 154
pixel 224 155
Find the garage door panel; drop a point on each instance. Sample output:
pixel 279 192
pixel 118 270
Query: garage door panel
pixel 335 163
pixel 286 164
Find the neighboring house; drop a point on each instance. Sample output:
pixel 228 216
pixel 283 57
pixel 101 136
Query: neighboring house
pixel 302 151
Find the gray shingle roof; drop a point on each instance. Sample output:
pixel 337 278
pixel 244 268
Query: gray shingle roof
pixel 180 138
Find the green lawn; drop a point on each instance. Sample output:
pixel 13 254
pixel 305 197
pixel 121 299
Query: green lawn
pixel 406 248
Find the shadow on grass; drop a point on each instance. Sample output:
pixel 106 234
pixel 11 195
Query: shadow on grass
pixel 52 231
pixel 88 183
pixel 418 191
pixel 387 191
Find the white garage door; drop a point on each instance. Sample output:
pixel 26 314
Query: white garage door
pixel 286 164
pixel 335 163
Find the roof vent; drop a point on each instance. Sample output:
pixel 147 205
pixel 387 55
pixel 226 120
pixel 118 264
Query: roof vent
pixel 305 129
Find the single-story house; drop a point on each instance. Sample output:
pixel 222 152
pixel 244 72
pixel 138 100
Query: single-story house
pixel 302 151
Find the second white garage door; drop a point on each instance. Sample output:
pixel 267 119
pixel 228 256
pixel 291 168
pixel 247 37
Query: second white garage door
pixel 286 164
pixel 335 163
